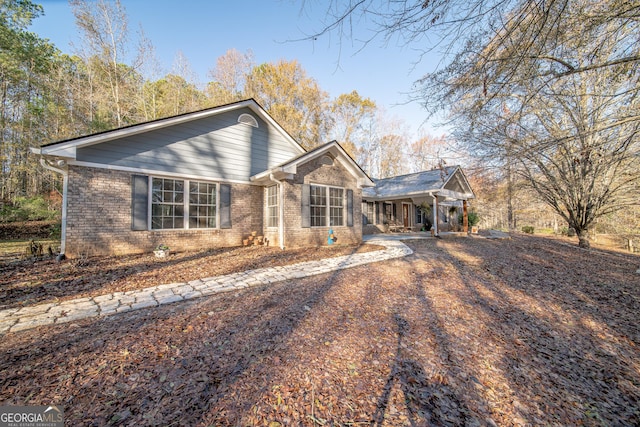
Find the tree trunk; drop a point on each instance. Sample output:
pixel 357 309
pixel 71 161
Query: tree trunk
pixel 583 238
pixel 511 221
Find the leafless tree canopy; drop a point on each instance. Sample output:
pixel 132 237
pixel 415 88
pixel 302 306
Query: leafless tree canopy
pixel 544 89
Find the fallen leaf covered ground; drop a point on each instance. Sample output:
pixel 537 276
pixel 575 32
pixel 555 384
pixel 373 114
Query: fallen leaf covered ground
pixel 528 331
pixel 32 281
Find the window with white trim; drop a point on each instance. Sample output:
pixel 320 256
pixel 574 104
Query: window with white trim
pixel 318 205
pixel 170 209
pixel 336 206
pixel 326 206
pixel 202 205
pixel 272 206
pixel 167 203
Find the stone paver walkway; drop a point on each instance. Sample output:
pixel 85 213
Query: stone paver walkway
pixel 22 318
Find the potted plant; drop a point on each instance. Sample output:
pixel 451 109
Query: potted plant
pixel 161 251
pixel 473 219
pixel 427 214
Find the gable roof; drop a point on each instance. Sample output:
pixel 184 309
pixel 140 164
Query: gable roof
pixel 67 148
pixel 419 184
pixel 332 148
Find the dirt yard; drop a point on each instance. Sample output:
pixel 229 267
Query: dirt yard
pixel 466 331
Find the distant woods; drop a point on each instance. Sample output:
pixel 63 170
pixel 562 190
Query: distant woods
pixel 113 79
pixel 542 99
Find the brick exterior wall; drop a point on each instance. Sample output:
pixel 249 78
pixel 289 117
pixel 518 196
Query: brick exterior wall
pixel 99 218
pixel 314 172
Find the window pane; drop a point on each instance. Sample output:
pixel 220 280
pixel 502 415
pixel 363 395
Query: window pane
pixel 336 206
pixel 167 203
pixel 272 206
pixel 178 222
pixel 202 205
pixel 318 216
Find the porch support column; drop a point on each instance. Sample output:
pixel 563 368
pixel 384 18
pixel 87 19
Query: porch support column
pixel 435 215
pixel 281 214
pixel 465 217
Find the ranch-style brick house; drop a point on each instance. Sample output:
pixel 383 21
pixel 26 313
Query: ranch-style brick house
pixel 205 179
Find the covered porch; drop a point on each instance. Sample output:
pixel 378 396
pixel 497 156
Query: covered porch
pixel 436 200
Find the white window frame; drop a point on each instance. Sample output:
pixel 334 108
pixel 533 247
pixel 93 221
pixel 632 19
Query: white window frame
pixel 332 207
pixel 327 206
pixel 273 211
pixel 186 190
pixel 248 119
pixel 207 206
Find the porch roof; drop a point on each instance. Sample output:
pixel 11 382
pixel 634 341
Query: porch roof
pixel 420 184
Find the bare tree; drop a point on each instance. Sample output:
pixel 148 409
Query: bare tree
pixel 572 136
pixel 426 151
pixel 545 89
pixel 229 76
pixel 105 49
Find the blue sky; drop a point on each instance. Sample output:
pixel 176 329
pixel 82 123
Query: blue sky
pixel 205 30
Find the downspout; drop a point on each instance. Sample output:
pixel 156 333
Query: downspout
pixel 65 185
pixel 280 185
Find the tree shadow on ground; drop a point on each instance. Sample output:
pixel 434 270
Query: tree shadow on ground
pixel 428 402
pixel 561 350
pixel 161 366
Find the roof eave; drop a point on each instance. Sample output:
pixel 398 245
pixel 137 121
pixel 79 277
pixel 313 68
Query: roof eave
pixel 290 168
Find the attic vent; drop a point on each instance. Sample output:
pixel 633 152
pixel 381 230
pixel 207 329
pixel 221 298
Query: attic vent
pixel 248 119
pixel 326 160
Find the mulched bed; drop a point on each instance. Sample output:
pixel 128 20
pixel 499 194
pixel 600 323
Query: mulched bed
pixel 32 281
pixel 518 332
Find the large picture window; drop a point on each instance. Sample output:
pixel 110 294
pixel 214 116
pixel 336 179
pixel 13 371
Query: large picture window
pixel 272 206
pixel 171 210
